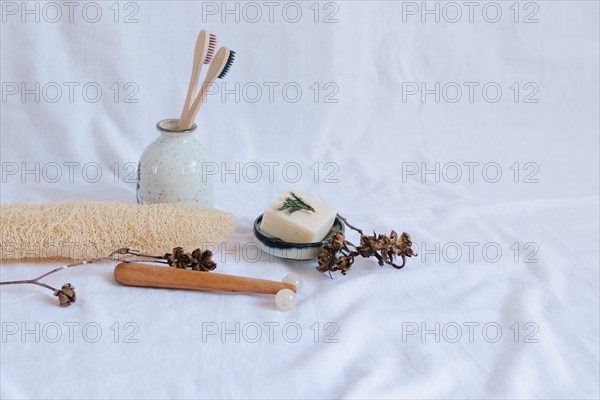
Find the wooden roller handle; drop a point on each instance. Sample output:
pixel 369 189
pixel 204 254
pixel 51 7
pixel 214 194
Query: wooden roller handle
pixel 132 274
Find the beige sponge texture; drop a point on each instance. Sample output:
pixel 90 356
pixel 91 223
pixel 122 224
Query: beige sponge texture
pixel 84 230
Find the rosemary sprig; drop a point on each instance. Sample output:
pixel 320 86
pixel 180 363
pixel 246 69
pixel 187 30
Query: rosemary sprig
pixel 295 203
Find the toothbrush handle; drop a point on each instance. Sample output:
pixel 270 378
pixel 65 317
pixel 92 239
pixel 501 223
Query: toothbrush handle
pixel 216 67
pixel 195 107
pixel 200 51
pixel 132 274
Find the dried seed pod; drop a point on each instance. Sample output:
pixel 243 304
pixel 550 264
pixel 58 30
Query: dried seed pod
pixel 198 260
pixel 326 258
pixel 343 264
pixel 66 295
pixel 207 262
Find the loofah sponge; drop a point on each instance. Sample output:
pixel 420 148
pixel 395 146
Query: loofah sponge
pixel 84 230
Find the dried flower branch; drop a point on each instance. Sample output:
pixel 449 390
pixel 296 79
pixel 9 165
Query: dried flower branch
pixel 198 260
pixel 337 256
pixel 295 203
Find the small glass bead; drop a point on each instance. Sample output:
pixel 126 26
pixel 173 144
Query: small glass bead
pixel 285 299
pixel 294 280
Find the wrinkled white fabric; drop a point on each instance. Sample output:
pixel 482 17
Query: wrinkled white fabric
pixel 500 195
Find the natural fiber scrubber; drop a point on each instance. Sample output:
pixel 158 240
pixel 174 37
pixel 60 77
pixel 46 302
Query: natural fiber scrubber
pixel 84 230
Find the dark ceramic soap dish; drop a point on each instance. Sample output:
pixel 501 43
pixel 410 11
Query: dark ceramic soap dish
pixel 292 251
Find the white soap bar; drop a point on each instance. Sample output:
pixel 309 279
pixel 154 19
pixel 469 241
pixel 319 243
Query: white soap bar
pixel 301 226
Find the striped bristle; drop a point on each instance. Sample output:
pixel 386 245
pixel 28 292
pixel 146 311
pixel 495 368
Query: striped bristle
pixel 227 64
pixel 212 45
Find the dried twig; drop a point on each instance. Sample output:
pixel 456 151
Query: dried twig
pixel 198 260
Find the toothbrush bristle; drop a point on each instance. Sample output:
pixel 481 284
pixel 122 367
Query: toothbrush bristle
pixel 227 64
pixel 212 45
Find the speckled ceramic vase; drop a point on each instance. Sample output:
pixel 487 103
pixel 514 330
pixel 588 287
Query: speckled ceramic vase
pixel 171 169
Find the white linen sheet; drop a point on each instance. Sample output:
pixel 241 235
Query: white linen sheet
pixel 472 126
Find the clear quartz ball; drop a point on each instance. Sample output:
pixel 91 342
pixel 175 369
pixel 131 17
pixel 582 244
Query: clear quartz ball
pixel 294 280
pixel 285 299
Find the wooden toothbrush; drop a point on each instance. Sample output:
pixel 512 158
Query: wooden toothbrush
pixel 203 54
pixel 132 274
pixel 219 67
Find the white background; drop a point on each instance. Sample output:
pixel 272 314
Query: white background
pixel 374 133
